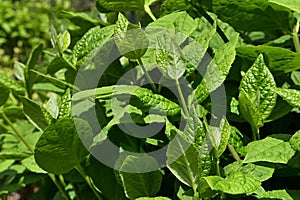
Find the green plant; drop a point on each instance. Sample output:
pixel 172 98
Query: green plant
pixel 220 78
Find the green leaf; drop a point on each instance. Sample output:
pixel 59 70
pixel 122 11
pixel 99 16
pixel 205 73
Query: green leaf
pixel 19 70
pixel 257 99
pixel 291 96
pixel 119 5
pixel 32 166
pixel 34 113
pixel 170 6
pixel 90 42
pixel 64 41
pixel 295 141
pixel 183 161
pixel 293 5
pixel 140 184
pixel 130 38
pixel 61 143
pixel 217 70
pixel 270 149
pixel 258 172
pixel 279 59
pixel 4 95
pixel 235 183
pixel 34 57
pixel 280 194
pixel 65 107
pixel 225 130
pixel 104 177
pixel 10 83
pixel 55 81
pixel 257 15
pixel 153 198
pixel 169 57
pixel 81 19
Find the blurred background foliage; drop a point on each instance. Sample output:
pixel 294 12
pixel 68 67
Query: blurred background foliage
pixel 26 23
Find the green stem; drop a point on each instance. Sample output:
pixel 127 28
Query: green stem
pixel 233 152
pixel 17 133
pixel 87 179
pixel 140 62
pixel 185 108
pixel 255 133
pixel 149 12
pixel 296 36
pixel 60 186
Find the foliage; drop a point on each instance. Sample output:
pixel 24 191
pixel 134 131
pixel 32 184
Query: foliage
pixel 221 84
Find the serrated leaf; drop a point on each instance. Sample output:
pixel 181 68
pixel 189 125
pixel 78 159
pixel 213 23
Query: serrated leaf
pixel 236 183
pixel 34 113
pixel 119 5
pixel 295 141
pixel 140 184
pixel 169 57
pixel 294 5
pixel 291 96
pixel 270 149
pixel 90 42
pixel 182 161
pixel 225 130
pixel 256 93
pixel 61 143
pixel 65 107
pixel 217 70
pixel 280 194
pixel 130 39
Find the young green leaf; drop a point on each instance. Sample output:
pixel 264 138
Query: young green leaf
pixel 92 40
pixel 131 40
pixel 257 99
pixel 61 143
pixel 270 149
pixel 291 96
pixel 65 107
pixel 140 184
pixel 295 141
pixel 63 41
